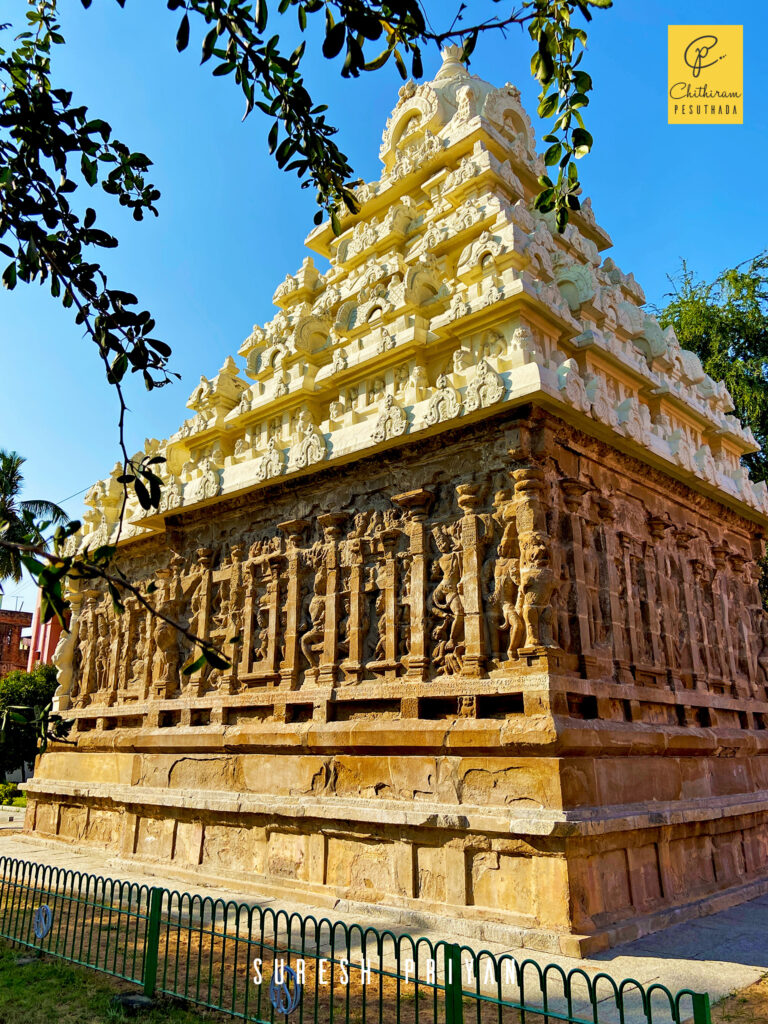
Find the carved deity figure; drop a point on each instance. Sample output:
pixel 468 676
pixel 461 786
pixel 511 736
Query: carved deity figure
pixel 165 661
pixel 138 651
pixel 592 583
pixel 261 640
pixel 761 632
pixel 312 627
pixel 85 678
pixel 506 578
pixel 445 602
pixel 537 581
pixel 380 607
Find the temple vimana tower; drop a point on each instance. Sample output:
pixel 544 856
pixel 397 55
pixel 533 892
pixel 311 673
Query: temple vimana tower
pixel 481 533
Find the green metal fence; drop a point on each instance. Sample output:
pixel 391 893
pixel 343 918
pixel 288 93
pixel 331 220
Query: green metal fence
pixel 238 958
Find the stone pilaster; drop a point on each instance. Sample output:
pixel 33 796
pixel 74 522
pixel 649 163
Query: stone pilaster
pixel 417 504
pixel 683 540
pixel 537 578
pixel 289 669
pixel 330 524
pixel 472 537
pixel 573 491
pixel 621 652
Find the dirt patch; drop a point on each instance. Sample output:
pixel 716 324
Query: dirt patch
pixel 748 1006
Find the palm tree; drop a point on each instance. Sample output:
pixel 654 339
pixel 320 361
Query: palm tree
pixel 21 521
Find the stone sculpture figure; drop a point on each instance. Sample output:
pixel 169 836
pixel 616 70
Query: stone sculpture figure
pixel 313 619
pixel 591 564
pixel 88 655
pixel 445 602
pixel 165 661
pixel 504 599
pixel 537 577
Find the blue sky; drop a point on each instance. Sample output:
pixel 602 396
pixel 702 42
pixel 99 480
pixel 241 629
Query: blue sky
pixel 231 225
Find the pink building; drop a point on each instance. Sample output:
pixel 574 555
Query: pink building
pixel 45 636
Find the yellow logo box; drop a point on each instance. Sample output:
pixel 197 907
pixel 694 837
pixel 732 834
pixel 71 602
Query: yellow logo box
pixel 706 74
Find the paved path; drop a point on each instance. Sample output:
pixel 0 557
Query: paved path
pixel 11 818
pixel 716 954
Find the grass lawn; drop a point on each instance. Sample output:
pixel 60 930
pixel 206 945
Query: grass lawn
pixel 54 991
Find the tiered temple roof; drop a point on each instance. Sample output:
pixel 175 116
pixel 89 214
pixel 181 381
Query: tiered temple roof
pixel 446 298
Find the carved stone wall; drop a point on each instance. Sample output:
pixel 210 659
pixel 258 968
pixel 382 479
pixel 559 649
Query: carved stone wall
pixel 509 676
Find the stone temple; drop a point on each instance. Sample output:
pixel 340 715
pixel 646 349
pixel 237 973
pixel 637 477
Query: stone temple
pixel 481 533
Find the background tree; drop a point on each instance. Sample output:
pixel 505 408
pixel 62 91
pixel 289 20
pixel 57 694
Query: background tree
pixel 725 322
pixel 21 521
pixel 51 146
pixel 25 699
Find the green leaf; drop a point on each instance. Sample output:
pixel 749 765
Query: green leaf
pixel 9 276
pixel 182 36
pixel 548 105
pixel 193 666
pixel 582 81
pixel 581 141
pixel 214 659
pixel 334 39
pixel 90 169
pixel 272 137
pixel 209 43
pixel 469 47
pixel 260 17
pixel 142 494
pixel 553 154
pixel 118 368
pixel 578 99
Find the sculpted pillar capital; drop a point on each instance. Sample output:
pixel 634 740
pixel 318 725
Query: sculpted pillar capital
pixel 573 491
pixel 738 562
pixel 683 537
pixel 293 529
pixel 658 525
pixel 331 523
pixel 605 508
pixel 418 503
pixel 468 497
pixel 527 479
pixel 720 554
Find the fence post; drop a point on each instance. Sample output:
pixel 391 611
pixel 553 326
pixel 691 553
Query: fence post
pixel 454 1007
pixel 701 1012
pixel 152 940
